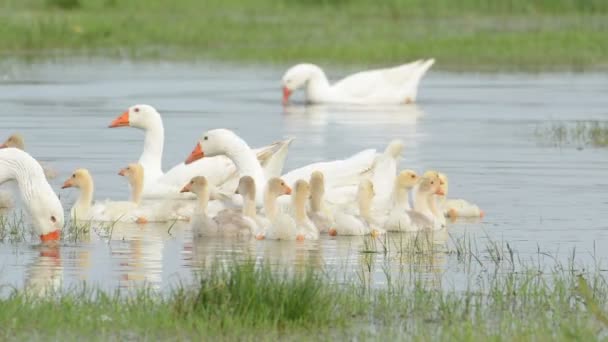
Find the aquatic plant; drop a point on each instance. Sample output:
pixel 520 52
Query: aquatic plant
pixel 579 134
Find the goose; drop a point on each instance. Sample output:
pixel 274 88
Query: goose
pixel 394 85
pixel 454 208
pixel 121 211
pixel 399 217
pixel 276 225
pixel 218 171
pixel 362 223
pixel 423 216
pixel 305 227
pixel 16 140
pixel 227 222
pixel 40 200
pixel 226 142
pixel 319 212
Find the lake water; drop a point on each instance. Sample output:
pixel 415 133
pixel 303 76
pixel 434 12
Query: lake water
pixel 477 128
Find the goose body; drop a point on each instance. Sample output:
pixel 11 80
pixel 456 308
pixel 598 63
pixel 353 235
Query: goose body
pixel 361 223
pixel 396 85
pixel 225 142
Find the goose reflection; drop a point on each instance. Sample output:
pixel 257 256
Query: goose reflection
pixel 323 115
pixel 139 252
pixel 44 275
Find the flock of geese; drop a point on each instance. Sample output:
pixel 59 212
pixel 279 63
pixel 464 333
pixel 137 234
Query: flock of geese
pixel 227 188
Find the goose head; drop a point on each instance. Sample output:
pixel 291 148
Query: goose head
pixel 431 184
pixel 395 148
pixel 213 143
pixel 246 187
pixel 47 215
pixel 197 185
pixel 296 77
pixel 140 116
pixel 443 180
pixel 135 174
pixel 277 187
pixel 81 178
pixel 406 179
pixel 15 140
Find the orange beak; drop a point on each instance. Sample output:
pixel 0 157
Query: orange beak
pixel 286 94
pixel 186 188
pixel 440 192
pixel 196 154
pixel 287 190
pixel 4 145
pixel 68 183
pixel 122 172
pixel 52 236
pixel 121 121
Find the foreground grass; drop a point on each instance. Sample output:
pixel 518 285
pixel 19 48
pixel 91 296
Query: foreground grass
pixel 579 134
pixel 248 301
pixel 467 34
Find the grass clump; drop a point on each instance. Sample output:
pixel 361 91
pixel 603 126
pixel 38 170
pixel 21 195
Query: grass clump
pixel 580 134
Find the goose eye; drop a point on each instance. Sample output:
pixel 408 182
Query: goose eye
pixel 282 184
pixel 432 183
pixel 191 182
pixel 74 175
pixel 413 176
pixel 206 138
pixel 53 219
pixel 136 110
pixel 128 168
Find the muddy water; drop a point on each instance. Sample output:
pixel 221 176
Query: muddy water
pixel 479 129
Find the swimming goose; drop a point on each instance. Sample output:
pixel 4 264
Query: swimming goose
pixel 276 225
pixel 122 211
pixel 361 223
pixel 225 142
pixel 319 212
pixel 454 208
pixel 218 171
pixel 399 218
pixel 422 216
pixel 394 85
pixel 304 226
pixel 227 222
pixel 16 141
pixel 41 202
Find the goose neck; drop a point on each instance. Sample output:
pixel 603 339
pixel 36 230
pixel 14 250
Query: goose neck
pixel 154 139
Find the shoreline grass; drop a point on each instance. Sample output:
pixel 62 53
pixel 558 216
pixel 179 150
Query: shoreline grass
pixel 253 301
pixel 538 35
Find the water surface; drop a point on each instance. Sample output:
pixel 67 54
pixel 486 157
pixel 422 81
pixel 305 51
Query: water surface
pixel 477 128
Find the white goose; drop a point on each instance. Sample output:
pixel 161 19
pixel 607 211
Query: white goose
pixel 400 216
pixel 227 222
pixel 454 208
pixel 121 211
pixel 423 216
pixel 276 225
pixel 305 227
pixel 363 223
pixel 218 171
pixel 394 85
pixel 319 212
pixel 225 142
pixel 40 201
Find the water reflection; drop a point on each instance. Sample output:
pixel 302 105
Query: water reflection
pixel 323 115
pixel 44 274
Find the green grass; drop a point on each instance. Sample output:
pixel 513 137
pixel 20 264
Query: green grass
pixel 579 134
pixel 248 301
pixel 466 34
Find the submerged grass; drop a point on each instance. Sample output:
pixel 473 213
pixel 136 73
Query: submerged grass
pixel 580 134
pixel 469 34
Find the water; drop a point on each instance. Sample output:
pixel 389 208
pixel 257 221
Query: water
pixel 477 128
